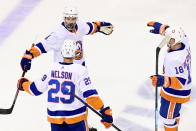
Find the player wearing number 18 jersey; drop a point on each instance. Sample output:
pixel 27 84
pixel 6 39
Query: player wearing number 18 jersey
pixel 176 78
pixel 64 79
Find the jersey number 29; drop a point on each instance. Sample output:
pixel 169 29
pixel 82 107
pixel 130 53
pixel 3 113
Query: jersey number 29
pixel 66 88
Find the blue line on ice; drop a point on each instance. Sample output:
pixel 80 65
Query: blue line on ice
pixel 16 17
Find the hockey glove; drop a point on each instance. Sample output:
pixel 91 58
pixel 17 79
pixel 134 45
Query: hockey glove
pixel 104 27
pixel 159 80
pixel 26 61
pixel 107 114
pixel 20 82
pixel 158 28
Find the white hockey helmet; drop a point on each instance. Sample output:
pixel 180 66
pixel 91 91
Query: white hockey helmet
pixel 70 12
pixel 176 33
pixel 68 49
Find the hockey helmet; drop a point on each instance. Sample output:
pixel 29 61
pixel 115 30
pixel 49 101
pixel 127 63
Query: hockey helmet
pixel 70 12
pixel 175 33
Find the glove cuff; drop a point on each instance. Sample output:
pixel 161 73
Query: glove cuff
pixel 98 24
pixel 28 55
pixel 106 111
pixel 106 124
pixel 162 29
pixel 21 82
pixel 167 81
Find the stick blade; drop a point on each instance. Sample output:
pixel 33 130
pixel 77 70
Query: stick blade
pixel 5 111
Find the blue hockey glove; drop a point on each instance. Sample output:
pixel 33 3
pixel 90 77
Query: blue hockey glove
pixel 159 80
pixel 26 60
pixel 107 114
pixel 158 28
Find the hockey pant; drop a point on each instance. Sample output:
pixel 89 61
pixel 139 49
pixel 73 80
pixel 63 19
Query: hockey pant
pixel 80 126
pixel 170 111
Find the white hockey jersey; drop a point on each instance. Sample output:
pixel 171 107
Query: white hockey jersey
pixel 63 81
pixel 177 66
pixel 55 39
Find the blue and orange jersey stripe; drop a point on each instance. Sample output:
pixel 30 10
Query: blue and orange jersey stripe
pixel 177 96
pixel 176 91
pixel 31 88
pixel 69 117
pixel 70 120
pixel 67 113
pixel 93 99
pixel 93 27
pixel 177 82
pixel 37 49
pixel 40 47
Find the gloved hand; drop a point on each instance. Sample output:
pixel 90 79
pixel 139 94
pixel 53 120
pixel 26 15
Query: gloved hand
pixel 107 114
pixel 26 61
pixel 104 27
pixel 159 80
pixel 158 28
pixel 20 82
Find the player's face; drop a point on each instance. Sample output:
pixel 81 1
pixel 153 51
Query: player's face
pixel 171 43
pixel 70 22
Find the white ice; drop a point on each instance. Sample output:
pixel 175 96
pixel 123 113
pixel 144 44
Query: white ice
pixel 119 64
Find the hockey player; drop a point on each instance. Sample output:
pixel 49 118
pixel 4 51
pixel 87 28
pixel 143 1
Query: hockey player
pixel 71 28
pixel 176 78
pixel 64 79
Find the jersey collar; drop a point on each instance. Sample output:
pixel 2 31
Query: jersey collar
pixel 73 31
pixel 63 63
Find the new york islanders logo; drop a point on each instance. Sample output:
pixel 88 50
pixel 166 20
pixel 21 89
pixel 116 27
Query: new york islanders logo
pixel 79 51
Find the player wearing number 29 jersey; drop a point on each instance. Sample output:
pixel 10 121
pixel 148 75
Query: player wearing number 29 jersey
pixel 63 81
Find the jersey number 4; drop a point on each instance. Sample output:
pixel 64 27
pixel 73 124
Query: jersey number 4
pixel 62 92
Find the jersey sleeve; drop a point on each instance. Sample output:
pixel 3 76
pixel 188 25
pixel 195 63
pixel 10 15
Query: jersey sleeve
pixel 89 93
pixel 47 44
pixel 90 28
pixel 38 86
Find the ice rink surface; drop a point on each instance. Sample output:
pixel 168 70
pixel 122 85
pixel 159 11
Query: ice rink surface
pixel 119 64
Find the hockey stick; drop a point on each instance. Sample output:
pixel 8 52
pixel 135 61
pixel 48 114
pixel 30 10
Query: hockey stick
pixel 163 42
pixel 9 111
pixel 94 110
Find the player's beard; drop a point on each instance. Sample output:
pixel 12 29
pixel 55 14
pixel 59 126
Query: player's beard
pixel 70 26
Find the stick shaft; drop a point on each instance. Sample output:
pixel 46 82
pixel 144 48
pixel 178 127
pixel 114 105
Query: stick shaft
pixel 96 112
pixel 163 42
